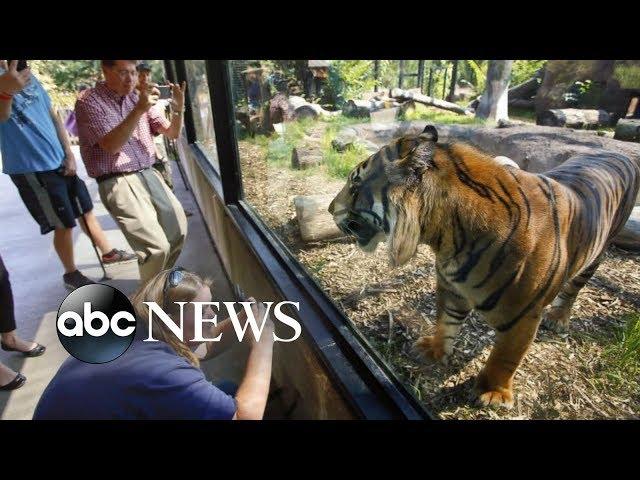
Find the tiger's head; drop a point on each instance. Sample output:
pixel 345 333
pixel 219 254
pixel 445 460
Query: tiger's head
pixel 379 201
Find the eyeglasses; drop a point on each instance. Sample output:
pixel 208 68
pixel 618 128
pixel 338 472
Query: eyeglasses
pixel 175 276
pixel 124 73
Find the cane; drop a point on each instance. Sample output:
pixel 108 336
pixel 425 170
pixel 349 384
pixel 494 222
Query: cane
pixel 90 235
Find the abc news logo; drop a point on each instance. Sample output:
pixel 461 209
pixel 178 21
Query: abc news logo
pixel 97 323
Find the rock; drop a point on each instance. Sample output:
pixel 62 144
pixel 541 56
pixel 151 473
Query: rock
pixel 629 237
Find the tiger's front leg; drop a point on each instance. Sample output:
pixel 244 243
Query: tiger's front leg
pixel 451 310
pixel 494 384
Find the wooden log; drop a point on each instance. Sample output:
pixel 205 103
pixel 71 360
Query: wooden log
pixel 526 89
pixel 628 129
pixel 305 157
pixel 400 94
pixel 314 220
pixel 573 118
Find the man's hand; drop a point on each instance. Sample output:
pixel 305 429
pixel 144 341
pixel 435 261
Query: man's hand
pixel 13 81
pixel 69 164
pixel 147 97
pixel 177 96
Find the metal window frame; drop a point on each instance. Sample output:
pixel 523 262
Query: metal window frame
pixel 366 381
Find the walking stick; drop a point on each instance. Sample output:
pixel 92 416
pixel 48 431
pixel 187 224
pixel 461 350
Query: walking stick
pixel 95 248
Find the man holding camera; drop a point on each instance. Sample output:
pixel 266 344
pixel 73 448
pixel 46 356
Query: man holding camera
pixel 116 126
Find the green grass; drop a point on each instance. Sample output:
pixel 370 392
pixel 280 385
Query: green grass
pixel 339 164
pixel 622 357
pixel 434 115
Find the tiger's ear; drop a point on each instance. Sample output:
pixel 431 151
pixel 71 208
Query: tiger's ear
pixel 430 133
pixel 415 157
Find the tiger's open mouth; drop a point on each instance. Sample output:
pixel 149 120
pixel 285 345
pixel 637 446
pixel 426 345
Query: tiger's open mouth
pixel 366 234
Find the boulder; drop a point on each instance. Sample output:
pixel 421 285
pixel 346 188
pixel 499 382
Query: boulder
pixel 629 237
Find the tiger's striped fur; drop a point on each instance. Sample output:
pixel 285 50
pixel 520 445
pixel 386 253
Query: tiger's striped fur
pixel 507 242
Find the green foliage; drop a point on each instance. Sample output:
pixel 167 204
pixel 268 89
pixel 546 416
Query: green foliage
pixel 63 78
pixel 523 70
pixel 350 79
pixel 627 75
pixel 479 69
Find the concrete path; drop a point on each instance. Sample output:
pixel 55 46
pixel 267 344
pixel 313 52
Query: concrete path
pixel 36 280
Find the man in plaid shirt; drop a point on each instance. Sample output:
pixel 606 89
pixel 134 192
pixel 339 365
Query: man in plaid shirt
pixel 116 126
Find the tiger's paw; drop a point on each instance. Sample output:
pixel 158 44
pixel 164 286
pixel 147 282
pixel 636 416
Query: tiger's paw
pixel 428 347
pixel 488 394
pixel 496 398
pixel 556 319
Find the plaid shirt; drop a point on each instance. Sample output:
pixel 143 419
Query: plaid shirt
pixel 98 111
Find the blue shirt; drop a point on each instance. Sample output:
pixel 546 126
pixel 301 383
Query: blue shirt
pixel 148 382
pixel 28 140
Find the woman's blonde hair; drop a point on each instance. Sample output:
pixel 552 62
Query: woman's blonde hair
pixel 185 291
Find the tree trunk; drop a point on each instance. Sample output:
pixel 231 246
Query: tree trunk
pixel 494 102
pixel 573 118
pixel 454 80
pixel 434 102
pixel 314 220
pixel 305 157
pixel 628 129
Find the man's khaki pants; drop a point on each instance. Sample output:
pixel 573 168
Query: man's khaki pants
pixel 150 217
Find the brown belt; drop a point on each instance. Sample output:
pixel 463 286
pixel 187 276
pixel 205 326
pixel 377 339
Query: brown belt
pixel 107 176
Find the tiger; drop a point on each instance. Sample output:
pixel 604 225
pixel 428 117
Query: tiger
pixel 507 242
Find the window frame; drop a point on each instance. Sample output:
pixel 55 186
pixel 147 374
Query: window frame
pixel 358 370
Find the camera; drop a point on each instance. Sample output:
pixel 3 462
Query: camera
pixel 165 91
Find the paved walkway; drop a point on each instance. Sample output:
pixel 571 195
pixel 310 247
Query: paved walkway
pixel 36 280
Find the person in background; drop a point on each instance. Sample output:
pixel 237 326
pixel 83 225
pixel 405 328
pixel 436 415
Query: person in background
pixel 36 154
pixel 11 82
pixel 162 380
pixel 162 161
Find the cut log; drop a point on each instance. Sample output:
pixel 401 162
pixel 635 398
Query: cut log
pixel 573 118
pixel 628 129
pixel 314 220
pixel 303 109
pixel 629 237
pixel 304 157
pixel 403 95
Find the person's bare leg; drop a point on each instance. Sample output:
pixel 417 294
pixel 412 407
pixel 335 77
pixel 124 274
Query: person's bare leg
pixel 97 233
pixel 63 243
pixel 11 339
pixel 6 375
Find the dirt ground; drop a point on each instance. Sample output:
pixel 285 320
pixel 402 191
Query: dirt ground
pixel 561 376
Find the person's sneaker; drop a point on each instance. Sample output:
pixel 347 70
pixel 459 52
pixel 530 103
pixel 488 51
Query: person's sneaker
pixel 118 256
pixel 76 279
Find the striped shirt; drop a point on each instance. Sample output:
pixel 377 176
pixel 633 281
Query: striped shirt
pixel 98 111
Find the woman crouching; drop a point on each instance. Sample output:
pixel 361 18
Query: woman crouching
pixel 162 379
